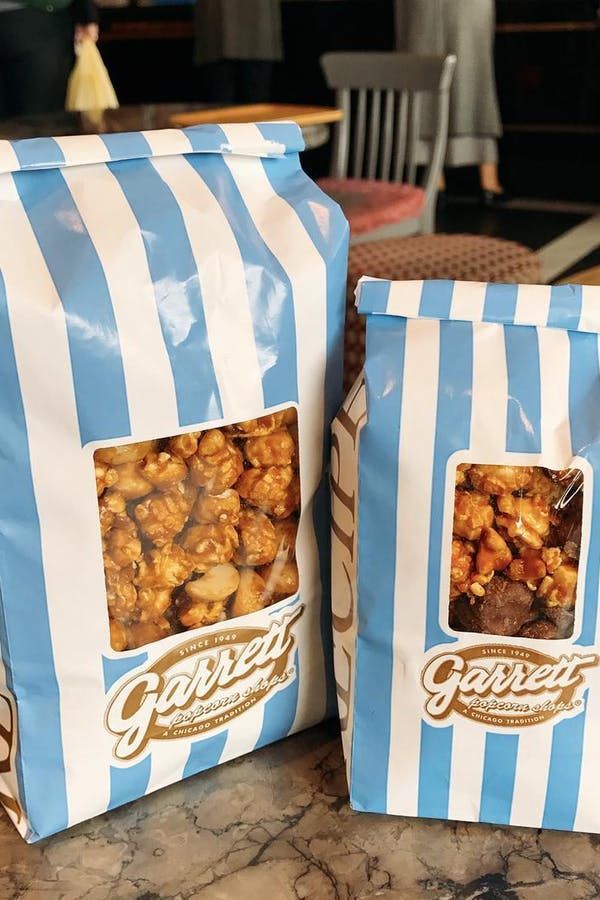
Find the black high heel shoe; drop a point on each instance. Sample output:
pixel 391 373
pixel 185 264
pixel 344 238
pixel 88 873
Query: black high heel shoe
pixel 493 199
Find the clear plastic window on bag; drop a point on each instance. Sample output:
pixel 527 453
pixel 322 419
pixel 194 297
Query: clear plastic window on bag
pixel 515 550
pixel 198 528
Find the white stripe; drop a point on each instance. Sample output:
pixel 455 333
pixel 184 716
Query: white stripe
pixel 116 236
pixel 167 762
pixel 80 150
pixel 533 304
pixel 8 158
pixel 466 773
pixel 468 301
pixel 69 523
pixel 405 298
pixel 167 142
pixel 535 744
pixel 590 309
pixel 247 139
pixel 224 291
pixel 555 427
pixel 531 774
pixel 415 463
pixel 283 232
pixel 344 471
pixel 490 394
pixel 487 445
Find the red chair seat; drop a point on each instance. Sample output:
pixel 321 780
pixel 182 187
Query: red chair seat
pixel 369 204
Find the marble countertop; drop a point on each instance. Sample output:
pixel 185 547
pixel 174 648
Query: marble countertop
pixel 277 825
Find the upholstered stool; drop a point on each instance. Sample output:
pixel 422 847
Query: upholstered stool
pixel 461 257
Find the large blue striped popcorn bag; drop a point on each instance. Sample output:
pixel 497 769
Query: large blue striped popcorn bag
pixel 171 317
pixel 466 555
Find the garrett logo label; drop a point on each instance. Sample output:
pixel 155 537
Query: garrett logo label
pixel 201 685
pixel 505 686
pixel 7 748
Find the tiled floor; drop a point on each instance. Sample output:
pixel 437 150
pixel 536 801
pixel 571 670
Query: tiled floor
pixel 534 229
pixel 568 240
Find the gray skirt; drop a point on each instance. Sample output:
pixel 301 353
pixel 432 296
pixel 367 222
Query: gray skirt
pixel 238 29
pixel 465 28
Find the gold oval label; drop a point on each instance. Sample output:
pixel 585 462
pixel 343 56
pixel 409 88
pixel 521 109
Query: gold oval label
pixel 7 748
pixel 201 685
pixel 504 685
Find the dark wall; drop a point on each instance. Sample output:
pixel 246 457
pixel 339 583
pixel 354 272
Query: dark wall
pixel 549 81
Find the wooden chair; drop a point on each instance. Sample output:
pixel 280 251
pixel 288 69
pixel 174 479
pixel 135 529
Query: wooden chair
pixel 376 149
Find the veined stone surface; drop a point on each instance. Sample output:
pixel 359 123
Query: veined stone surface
pixel 276 825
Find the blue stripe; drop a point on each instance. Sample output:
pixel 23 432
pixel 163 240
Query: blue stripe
pixel 280 710
pixel 435 759
pixel 377 514
pixel 500 303
pixel 524 433
pixel 205 754
pixel 113 669
pixel 27 644
pixel 567 739
pixel 329 231
pixel 584 405
pixel 269 288
pixel 452 433
pixel 565 306
pixel 176 288
pixel 131 145
pixel 289 134
pixel 35 152
pixel 206 138
pixel 436 299
pixel 564 773
pixel 374 296
pixel 499 769
pixel 130 783
pixel 77 273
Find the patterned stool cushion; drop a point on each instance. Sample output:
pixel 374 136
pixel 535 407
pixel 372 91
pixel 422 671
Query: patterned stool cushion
pixel 369 204
pixel 462 257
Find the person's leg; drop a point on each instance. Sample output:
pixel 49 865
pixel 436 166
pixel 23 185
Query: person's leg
pixel 489 178
pixel 37 67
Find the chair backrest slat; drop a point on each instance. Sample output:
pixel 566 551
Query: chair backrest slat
pixel 374 134
pixel 360 134
pixel 401 136
pixel 341 144
pixel 394 140
pixel 388 135
pixel 413 138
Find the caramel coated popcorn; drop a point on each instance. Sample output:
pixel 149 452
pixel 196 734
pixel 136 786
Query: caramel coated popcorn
pixel 198 528
pixel 515 550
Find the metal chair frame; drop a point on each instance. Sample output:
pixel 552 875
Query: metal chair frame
pixel 388 89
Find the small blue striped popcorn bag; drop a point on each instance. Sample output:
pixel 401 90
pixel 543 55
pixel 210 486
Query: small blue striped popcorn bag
pixel 466 555
pixel 171 320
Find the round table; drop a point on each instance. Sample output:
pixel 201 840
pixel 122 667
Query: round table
pixel 587 276
pixel 142 117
